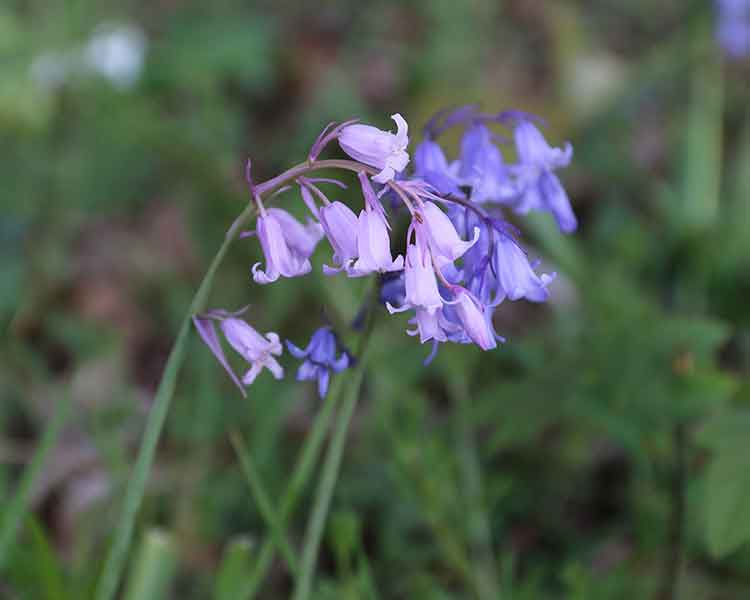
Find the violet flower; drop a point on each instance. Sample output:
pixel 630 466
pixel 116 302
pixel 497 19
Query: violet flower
pixel 373 241
pixel 320 358
pixel 256 349
pixel 340 226
pixel 482 167
pixel 515 276
pixel 475 318
pixel 431 165
pixel 444 242
pixel 392 288
pixel 733 27
pixel 287 245
pixel 380 149
pixel 420 281
pixel 540 187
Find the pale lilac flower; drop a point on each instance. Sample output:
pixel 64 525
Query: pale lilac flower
pixel 287 245
pixel 380 149
pixel 340 226
pixel 373 241
pixel 256 349
pixel 444 242
pixel 540 187
pixel 475 318
pixel 420 281
pixel 515 276
pixel 320 358
pixel 430 326
pixel 373 246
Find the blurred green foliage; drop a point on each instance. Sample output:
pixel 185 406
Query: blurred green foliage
pixel 600 453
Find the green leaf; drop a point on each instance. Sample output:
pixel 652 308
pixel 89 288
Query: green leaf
pixel 263 502
pixel 233 570
pixel 154 568
pixel 702 159
pixel 15 512
pixel 727 506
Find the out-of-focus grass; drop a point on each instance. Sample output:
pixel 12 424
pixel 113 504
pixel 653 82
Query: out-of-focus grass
pixel 549 465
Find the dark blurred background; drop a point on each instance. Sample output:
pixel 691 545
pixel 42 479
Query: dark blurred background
pixel 611 429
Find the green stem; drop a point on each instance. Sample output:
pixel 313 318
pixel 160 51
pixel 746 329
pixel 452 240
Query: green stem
pixel 115 561
pixel 480 538
pixel 273 184
pixel 300 476
pixel 331 467
pixel 264 503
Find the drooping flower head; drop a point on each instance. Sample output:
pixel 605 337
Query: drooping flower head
pixel 287 245
pixel 516 278
pixel 540 188
pixel 320 358
pixel 377 148
pixel 474 317
pixel 257 350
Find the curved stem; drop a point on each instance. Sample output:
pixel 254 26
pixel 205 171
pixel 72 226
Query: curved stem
pixel 115 561
pixel 291 174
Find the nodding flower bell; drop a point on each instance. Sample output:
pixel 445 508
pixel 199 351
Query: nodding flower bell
pixel 287 245
pixel 475 318
pixel 515 276
pixel 445 244
pixel 373 242
pixel 340 226
pixel 320 358
pixel 256 349
pixel 420 281
pixel 380 149
pixel 540 187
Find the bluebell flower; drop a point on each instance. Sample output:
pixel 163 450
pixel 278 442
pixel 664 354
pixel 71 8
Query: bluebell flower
pixel 445 244
pixel 392 288
pixel 431 165
pixel 320 358
pixel 380 149
pixel 287 245
pixel 340 226
pixel 733 27
pixel 516 278
pixel 539 187
pixel 482 167
pixel 256 349
pixel 373 241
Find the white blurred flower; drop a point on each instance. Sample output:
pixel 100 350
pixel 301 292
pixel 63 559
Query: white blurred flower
pixel 117 53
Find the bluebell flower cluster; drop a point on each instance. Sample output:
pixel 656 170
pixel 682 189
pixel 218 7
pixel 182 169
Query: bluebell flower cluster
pixel 462 259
